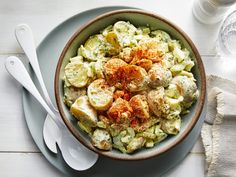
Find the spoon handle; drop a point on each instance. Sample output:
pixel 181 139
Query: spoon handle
pixel 18 71
pixel 24 37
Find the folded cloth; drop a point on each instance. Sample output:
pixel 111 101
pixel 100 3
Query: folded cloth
pixel 219 130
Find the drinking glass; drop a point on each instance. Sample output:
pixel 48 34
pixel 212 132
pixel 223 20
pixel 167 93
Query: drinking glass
pixel 226 42
pixel 211 11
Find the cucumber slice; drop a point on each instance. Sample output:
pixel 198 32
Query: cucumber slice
pixel 107 30
pixel 93 42
pixel 124 27
pixel 125 33
pixel 76 74
pixel 161 35
pixel 76 59
pixel 93 48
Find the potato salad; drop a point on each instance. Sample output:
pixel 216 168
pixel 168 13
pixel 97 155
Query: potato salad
pixel 129 86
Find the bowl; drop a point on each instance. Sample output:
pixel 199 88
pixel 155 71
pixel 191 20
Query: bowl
pixel 138 18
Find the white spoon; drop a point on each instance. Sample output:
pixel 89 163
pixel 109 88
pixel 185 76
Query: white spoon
pixel 75 154
pixel 24 37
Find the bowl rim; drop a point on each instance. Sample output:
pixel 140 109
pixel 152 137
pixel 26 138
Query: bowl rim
pixel 201 99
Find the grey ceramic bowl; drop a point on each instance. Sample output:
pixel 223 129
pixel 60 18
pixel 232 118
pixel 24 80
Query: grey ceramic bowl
pixel 138 18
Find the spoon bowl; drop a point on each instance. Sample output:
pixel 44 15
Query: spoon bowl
pixel 50 134
pixel 81 155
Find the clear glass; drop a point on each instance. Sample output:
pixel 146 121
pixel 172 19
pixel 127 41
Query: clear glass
pixel 211 11
pixel 226 42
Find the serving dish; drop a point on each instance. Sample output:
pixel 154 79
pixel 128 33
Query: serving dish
pixel 138 18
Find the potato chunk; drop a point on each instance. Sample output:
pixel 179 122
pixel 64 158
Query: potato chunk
pixel 133 78
pixel 140 106
pixel 157 103
pixel 186 87
pixel 100 94
pixel 135 144
pixel 111 68
pixel 101 139
pixel 145 63
pixel 84 112
pixel 129 77
pixel 120 111
pixel 171 126
pixel 159 76
pixel 72 93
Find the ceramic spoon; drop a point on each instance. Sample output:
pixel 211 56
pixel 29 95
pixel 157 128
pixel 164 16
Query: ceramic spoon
pixel 24 37
pixel 75 154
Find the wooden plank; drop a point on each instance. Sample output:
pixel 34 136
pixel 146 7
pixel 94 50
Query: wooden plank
pixel 221 66
pixel 34 164
pixel 50 14
pixel 14 133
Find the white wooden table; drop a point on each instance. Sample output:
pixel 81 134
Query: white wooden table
pixel 19 156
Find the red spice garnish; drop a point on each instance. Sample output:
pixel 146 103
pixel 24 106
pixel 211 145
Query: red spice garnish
pixel 145 51
pixel 120 111
pixel 128 73
pixel 134 123
pixel 118 94
pixel 127 96
pixel 139 125
pixel 145 63
pixel 122 94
